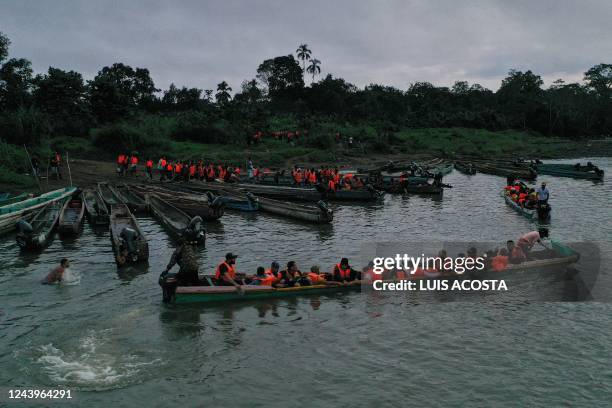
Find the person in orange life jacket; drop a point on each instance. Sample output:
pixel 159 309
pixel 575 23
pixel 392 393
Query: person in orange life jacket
pixel 225 274
pixel 273 270
pixel 515 252
pixel 192 170
pixel 149 168
pixel 133 164
pixel 331 185
pixel 262 278
pixel 500 261
pixel 344 273
pixel 161 167
pixel 292 276
pixel 169 170
pixel 120 159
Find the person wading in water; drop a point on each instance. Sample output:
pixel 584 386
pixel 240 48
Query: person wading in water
pixel 185 256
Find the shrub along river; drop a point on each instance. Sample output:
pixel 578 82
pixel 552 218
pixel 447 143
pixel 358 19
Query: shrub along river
pixel 107 336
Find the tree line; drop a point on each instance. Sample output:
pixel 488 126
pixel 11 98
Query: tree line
pixel 58 102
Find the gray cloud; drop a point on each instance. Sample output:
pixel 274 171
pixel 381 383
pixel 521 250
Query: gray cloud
pixel 201 43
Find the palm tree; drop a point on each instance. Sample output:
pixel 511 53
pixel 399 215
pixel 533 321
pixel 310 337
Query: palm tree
pixel 314 68
pixel 223 93
pixel 303 53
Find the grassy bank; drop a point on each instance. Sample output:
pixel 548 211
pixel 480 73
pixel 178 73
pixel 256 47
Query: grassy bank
pixel 369 147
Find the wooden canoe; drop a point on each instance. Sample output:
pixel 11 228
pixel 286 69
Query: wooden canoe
pixel 97 212
pixel 530 214
pixel 107 194
pixel 172 218
pixel 426 189
pixel 319 214
pixel 209 207
pixel 11 213
pixel 563 257
pixel 42 227
pixel 122 220
pixel 570 170
pixel 516 172
pixel 136 204
pixel 465 168
pixel 71 217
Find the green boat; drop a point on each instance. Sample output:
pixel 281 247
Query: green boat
pixel 571 170
pixel 6 199
pixel 208 294
pixel 11 213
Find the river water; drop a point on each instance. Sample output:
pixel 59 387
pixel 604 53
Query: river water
pixel 109 338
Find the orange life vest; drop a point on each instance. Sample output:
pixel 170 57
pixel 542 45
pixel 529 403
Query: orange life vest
pixel 169 167
pixel 163 163
pixel 344 273
pixel 312 177
pixel 231 271
pixel 331 185
pixel 315 278
pixel 134 160
pixel 192 170
pixel 149 164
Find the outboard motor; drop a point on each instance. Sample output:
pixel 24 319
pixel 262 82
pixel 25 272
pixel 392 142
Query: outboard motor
pixel 325 208
pixel 543 212
pixel 195 232
pixel 168 283
pixel 129 237
pixel 24 232
pixel 213 200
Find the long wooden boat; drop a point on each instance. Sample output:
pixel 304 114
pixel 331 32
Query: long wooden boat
pixel 97 212
pixel 465 168
pixel 207 206
pixel 563 256
pixel 571 170
pixel 11 213
pixel 530 214
pixel 129 243
pixel 443 169
pixel 282 192
pixel 107 194
pixel 319 214
pixel 239 202
pixel 426 189
pixel 38 233
pixel 128 197
pixel 7 199
pixel 71 216
pixel 516 172
pixel 172 218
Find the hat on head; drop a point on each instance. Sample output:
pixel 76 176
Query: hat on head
pixel 229 255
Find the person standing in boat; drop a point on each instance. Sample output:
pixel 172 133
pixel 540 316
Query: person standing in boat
pixel 185 256
pixel 543 194
pixel 57 274
pixel 250 170
pixel 225 274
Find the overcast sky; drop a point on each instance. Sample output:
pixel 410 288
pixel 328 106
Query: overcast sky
pixel 199 43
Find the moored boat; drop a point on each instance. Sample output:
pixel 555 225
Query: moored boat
pixel 11 213
pixel 318 214
pixel 97 212
pixel 7 199
pixel 128 197
pixel 589 171
pixel 129 243
pixel 175 220
pixel 36 234
pixel 208 206
pixel 107 195
pixel 465 168
pixel 71 216
pixel 507 171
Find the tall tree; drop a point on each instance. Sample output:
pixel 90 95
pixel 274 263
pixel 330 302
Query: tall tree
pixel 223 95
pixel 303 53
pixel 15 83
pixel 314 68
pixel 281 75
pixel 521 96
pixel 119 90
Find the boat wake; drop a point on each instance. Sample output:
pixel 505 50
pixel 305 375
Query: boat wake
pixel 93 365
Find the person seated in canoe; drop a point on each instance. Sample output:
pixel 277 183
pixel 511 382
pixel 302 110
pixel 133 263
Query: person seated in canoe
pixel 273 270
pixel 516 254
pixel 528 240
pixel 225 275
pixel 522 199
pixel 317 278
pixel 292 277
pixel 343 272
pixel 261 278
pixel 500 261
pixel 185 256
pixel 532 199
pixel 57 274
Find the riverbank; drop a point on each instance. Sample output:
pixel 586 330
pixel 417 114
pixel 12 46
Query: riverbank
pixel 90 164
